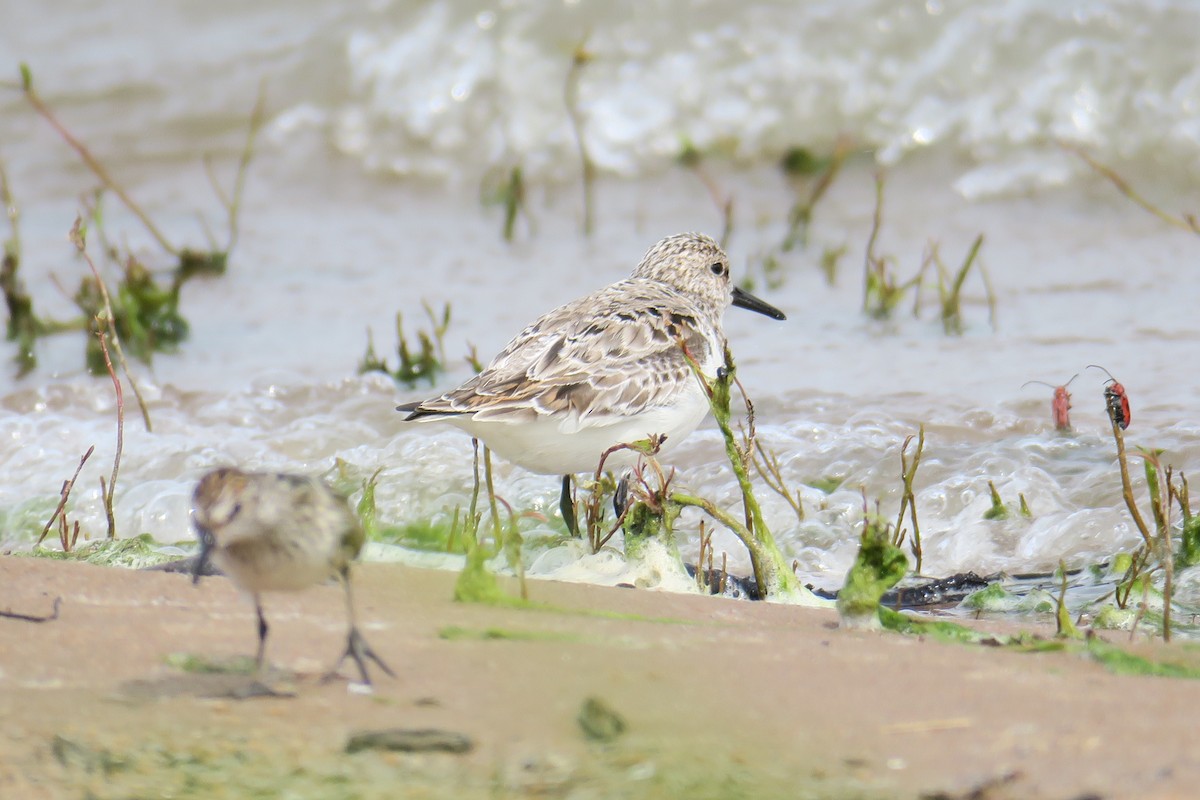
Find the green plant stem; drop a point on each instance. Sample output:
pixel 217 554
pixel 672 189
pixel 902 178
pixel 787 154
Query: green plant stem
pixel 13 245
pixel 111 490
pixel 876 223
pixel 771 580
pixel 908 500
pixel 78 238
pixel 497 531
pixel 770 568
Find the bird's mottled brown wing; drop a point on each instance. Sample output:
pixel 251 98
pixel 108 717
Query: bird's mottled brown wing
pixel 612 353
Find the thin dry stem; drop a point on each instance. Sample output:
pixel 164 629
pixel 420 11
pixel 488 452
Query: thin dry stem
pixel 96 167
pixel 722 201
pixel 11 209
pixel 78 238
pixel 112 485
pixel 871 260
pixel 908 501
pixel 579 59
pixel 1180 496
pixel 64 495
pixel 770 470
pixel 1187 222
pixel 801 213
pixel 1127 486
pixel 232 202
pixel 592 510
pixel 233 208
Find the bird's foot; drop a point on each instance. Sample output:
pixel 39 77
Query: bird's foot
pixel 358 649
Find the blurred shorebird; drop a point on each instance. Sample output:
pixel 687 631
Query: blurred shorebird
pixel 277 532
pixel 606 369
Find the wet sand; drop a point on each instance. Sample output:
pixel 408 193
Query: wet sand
pixel 720 698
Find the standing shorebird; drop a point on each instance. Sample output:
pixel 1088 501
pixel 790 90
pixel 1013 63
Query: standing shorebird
pixel 276 532
pixel 606 369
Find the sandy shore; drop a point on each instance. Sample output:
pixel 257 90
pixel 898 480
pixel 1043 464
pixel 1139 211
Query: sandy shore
pixel 720 699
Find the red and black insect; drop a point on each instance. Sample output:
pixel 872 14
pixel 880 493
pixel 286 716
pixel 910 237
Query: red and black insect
pixel 1060 406
pixel 1115 400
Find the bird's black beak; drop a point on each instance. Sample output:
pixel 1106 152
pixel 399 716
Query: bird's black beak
pixel 743 299
pixel 206 546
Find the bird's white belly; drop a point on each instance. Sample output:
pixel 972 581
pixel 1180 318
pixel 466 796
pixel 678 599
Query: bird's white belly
pixel 269 571
pixel 550 446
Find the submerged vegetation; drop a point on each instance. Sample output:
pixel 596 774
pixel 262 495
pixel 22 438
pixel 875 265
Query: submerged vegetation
pixel 883 291
pixel 692 160
pixel 810 176
pixel 1184 221
pixel 507 190
pixel 143 311
pixel 423 362
pixel 580 58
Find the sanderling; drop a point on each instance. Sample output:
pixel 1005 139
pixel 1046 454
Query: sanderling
pixel 606 369
pixel 276 532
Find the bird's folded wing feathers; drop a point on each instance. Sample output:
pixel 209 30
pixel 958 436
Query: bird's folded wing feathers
pixel 583 363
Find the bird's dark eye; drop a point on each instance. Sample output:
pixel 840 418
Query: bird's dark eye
pixel 718 268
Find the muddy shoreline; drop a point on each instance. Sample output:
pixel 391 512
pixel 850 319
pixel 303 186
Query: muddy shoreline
pixel 719 698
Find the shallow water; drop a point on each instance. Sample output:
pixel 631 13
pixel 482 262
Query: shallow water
pixel 364 201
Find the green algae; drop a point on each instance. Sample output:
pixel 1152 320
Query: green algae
pixel 599 722
pixel 437 535
pixel 202 665
pixel 1189 543
pixel 1112 657
pixel 1123 662
pixel 878 567
pixel 1117 619
pixel 221 764
pixel 134 553
pixel 478 584
pixel 994 598
pixel 456 633
pixel 26 520
pixel 827 484
pixel 409 740
pixel 643 523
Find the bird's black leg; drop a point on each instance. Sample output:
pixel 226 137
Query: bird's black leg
pixel 621 497
pixel 566 506
pixel 262 634
pixel 258 688
pixel 356 646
